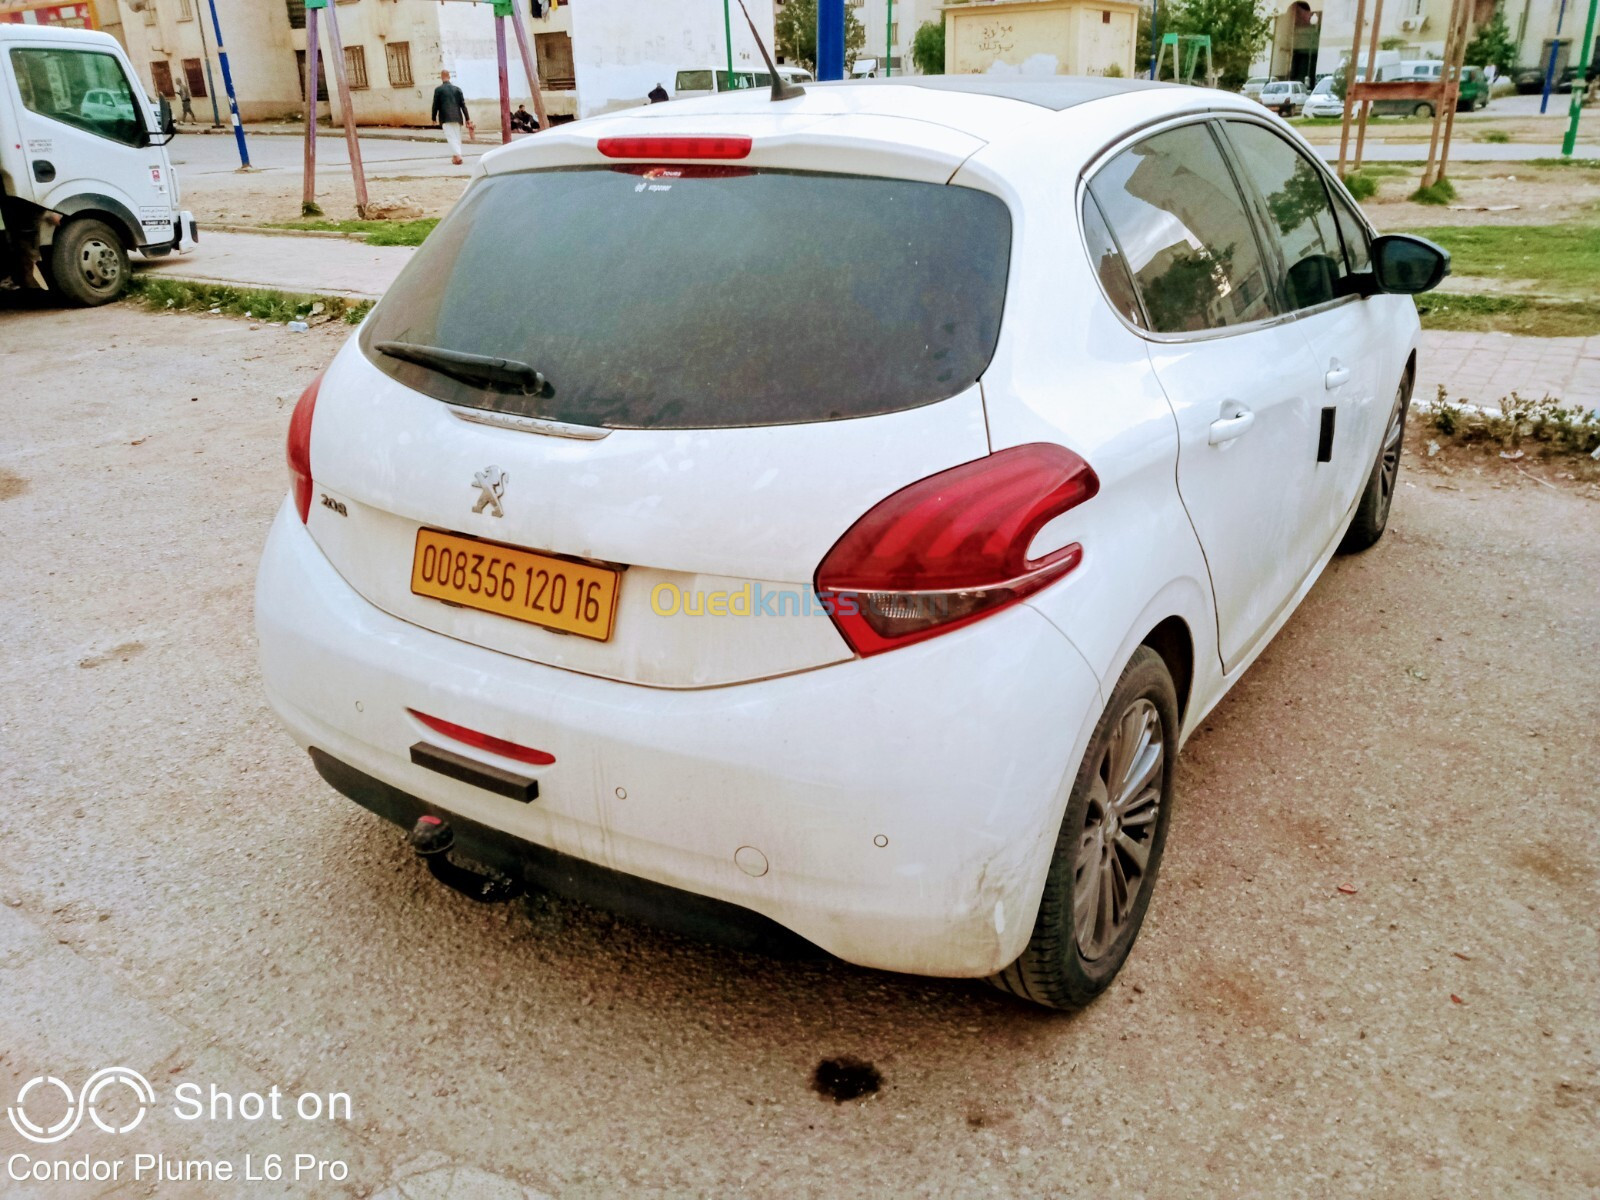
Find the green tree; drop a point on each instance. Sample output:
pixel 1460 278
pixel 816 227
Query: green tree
pixel 1493 44
pixel 1238 30
pixel 795 31
pixel 927 48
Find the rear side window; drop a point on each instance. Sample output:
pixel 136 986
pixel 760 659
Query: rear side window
pixel 1182 226
pixel 685 297
pixel 1109 264
pixel 1298 211
pixel 693 81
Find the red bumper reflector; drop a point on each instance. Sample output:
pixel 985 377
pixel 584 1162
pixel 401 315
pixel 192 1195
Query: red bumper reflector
pixel 675 147
pixel 482 741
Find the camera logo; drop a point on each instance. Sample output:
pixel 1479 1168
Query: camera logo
pixel 87 1101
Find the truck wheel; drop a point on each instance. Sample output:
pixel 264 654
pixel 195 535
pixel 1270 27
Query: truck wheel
pixel 88 264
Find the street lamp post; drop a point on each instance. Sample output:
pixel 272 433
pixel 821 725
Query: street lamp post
pixel 727 36
pixel 211 84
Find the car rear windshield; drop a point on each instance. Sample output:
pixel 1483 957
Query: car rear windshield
pixel 703 297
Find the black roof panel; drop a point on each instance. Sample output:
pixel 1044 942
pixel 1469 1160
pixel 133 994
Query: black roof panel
pixel 1053 91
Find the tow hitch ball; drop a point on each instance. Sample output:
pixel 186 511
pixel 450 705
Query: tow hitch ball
pixel 432 839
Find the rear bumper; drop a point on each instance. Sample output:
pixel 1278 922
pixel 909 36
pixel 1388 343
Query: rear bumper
pixel 899 812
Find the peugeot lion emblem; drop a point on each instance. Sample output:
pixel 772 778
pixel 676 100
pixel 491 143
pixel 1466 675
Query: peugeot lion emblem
pixel 491 485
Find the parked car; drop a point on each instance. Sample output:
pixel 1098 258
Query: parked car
pixel 1252 86
pixel 1473 92
pixel 1531 78
pixel 1322 102
pixel 875 607
pixel 1286 97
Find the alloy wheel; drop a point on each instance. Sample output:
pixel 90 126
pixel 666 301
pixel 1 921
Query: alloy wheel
pixel 1389 456
pixel 1119 829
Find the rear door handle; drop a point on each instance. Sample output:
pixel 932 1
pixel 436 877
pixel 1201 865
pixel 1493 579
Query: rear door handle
pixel 1235 420
pixel 1338 375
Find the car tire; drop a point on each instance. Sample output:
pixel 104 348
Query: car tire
pixel 1422 110
pixel 88 263
pixel 1077 946
pixel 1377 495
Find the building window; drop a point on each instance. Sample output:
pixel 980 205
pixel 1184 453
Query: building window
pixel 195 72
pixel 399 56
pixel 297 13
pixel 150 12
pixel 554 51
pixel 355 66
pixel 322 75
pixel 185 10
pixel 161 76
pixel 894 33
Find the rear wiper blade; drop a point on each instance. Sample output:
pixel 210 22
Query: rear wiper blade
pixel 470 368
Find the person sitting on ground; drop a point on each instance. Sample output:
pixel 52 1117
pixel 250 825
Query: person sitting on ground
pixel 522 120
pixel 658 94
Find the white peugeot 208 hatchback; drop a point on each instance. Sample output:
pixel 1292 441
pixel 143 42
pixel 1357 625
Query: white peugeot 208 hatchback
pixel 835 511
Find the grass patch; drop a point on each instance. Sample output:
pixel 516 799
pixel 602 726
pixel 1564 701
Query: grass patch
pixel 1440 192
pixel 256 304
pixel 1387 170
pixel 1544 425
pixel 1362 185
pixel 1526 316
pixel 1580 164
pixel 1561 260
pixel 1497 136
pixel 373 233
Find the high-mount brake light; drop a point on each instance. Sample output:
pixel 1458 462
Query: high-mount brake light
pixel 675 147
pixel 953 548
pixel 299 449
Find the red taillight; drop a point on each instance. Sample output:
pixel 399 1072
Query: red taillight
pixel 299 449
pixel 953 547
pixel 675 147
pixel 494 745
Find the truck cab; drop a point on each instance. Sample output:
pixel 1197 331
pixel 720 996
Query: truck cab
pixel 85 178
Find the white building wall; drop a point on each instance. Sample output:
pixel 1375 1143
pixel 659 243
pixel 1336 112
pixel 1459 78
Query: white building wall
pixel 909 16
pixel 623 48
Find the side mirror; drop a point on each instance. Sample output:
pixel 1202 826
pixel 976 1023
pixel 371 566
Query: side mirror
pixel 1407 264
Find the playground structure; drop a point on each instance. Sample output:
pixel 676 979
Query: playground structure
pixel 322 12
pixel 1186 48
pixel 1441 93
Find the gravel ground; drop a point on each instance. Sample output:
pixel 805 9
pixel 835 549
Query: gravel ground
pixel 1370 969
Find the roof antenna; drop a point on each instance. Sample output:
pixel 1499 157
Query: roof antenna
pixel 780 89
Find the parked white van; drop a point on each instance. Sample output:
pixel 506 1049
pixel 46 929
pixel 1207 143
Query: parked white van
pixel 708 81
pixel 84 172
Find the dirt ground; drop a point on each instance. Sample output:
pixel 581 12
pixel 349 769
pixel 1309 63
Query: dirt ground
pixel 1496 193
pixel 1370 968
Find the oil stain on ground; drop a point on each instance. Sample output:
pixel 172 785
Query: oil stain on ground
pixel 11 484
pixel 845 1078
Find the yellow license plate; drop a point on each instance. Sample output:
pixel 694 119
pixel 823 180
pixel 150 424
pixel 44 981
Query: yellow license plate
pixel 552 592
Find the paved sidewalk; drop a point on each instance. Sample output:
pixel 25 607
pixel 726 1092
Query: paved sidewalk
pixel 1483 368
pixel 325 266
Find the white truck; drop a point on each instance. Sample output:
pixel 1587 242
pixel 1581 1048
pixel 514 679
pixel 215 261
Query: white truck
pixel 84 174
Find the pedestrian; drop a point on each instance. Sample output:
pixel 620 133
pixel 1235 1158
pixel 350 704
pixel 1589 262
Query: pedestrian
pixel 450 110
pixel 658 94
pixel 188 100
pixel 522 120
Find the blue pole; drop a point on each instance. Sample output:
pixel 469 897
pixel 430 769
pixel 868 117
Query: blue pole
pixel 233 101
pixel 1550 67
pixel 830 39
